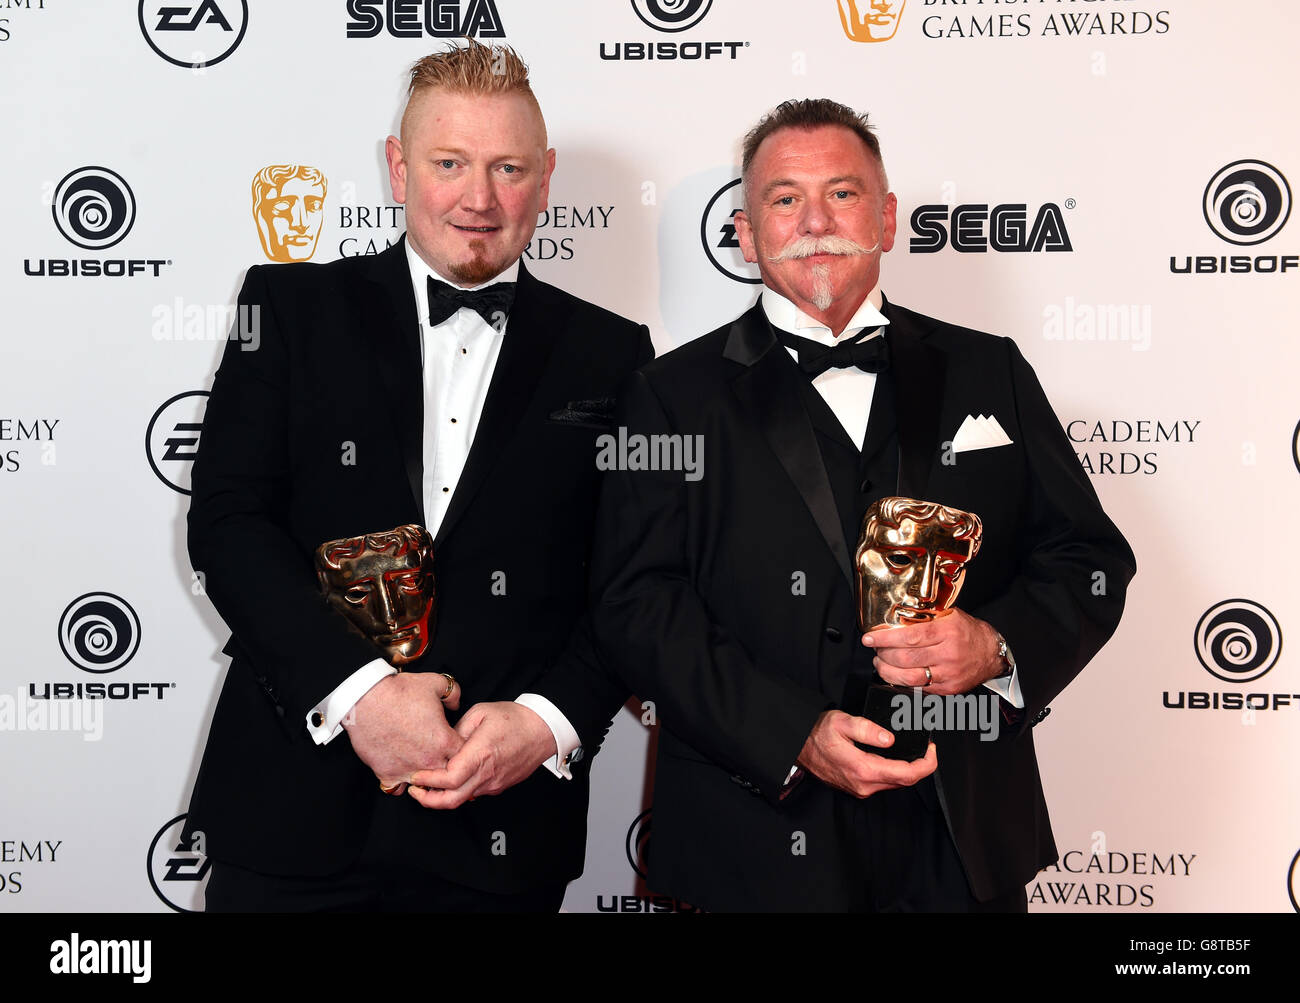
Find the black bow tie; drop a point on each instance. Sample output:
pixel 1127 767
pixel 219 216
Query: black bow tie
pixel 871 355
pixel 492 303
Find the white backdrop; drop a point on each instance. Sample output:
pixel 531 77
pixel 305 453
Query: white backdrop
pixel 1115 115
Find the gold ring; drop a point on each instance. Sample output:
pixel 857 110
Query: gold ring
pixel 451 685
pixel 929 676
pixel 389 790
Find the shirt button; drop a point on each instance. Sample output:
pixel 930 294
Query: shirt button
pixel 317 719
pixel 833 634
pixel 453 421
pixel 445 490
pixel 464 351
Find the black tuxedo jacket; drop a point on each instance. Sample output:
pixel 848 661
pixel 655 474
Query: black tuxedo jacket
pixel 697 603
pixel 317 435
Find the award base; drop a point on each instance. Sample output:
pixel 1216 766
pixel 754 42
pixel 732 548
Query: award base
pixel 880 706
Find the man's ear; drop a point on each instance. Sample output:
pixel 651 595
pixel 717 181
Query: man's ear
pixel 745 235
pixel 396 168
pixel 547 169
pixel 890 223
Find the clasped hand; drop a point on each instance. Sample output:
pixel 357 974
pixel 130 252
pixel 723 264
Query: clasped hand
pixel 399 730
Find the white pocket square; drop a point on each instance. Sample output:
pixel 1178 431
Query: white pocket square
pixel 979 433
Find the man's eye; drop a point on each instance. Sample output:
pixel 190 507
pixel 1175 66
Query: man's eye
pixel 356 595
pixel 283 205
pixel 785 200
pixel 510 168
pixel 446 165
pixel 842 194
pixel 899 561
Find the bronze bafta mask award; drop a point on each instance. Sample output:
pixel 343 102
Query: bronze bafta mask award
pixel 383 583
pixel 911 561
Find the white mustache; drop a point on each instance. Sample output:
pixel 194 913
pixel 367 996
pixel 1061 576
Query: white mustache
pixel 805 247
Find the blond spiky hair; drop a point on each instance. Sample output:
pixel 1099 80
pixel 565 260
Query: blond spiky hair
pixel 474 68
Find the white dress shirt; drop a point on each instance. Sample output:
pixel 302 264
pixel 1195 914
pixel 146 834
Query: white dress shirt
pixel 459 356
pixel 848 393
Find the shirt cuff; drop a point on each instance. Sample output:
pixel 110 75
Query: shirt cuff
pixel 568 746
pixel 1008 688
pixel 325 720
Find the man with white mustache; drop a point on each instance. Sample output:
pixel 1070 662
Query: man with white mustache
pixel 729 603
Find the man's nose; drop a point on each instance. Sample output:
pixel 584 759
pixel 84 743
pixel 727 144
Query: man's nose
pixel 478 194
pixel 298 216
pixel 817 218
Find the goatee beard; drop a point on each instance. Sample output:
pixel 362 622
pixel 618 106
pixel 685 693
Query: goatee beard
pixel 822 293
pixel 476 271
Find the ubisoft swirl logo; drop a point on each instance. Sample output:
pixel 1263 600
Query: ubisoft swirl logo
pixel 671 15
pixel 99 632
pixel 1238 640
pixel 1247 202
pixel 638 844
pixel 94 208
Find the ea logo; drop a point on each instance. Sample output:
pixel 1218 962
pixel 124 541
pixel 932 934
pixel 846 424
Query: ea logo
pixel 99 632
pixel 1247 202
pixel 193 34
pixel 172 439
pixel 638 849
pixel 1238 640
pixel 671 15
pixel 718 234
pixel 94 207
pixel 177 867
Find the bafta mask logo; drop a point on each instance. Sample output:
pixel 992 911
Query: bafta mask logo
pixel 383 583
pixel 911 559
pixel 288 207
pixel 871 20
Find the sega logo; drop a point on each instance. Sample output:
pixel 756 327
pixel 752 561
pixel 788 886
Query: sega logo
pixel 974 228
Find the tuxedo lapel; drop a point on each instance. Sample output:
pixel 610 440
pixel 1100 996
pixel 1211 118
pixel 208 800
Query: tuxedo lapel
pixel 771 399
pixel 386 310
pixel 883 419
pixel 918 373
pixel 535 320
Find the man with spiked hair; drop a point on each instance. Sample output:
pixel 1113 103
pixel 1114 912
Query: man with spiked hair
pixel 729 601
pixel 437 383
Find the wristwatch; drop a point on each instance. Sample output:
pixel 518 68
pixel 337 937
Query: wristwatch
pixel 1008 659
